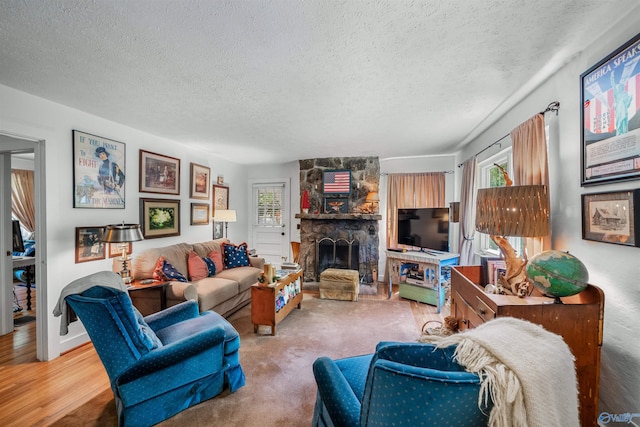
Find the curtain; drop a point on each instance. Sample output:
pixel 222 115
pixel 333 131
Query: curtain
pixel 531 166
pixel 416 190
pixel 22 197
pixel 467 211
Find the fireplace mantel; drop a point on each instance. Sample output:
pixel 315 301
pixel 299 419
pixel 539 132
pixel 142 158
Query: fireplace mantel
pixel 341 216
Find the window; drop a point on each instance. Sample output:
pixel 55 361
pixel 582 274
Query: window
pixel 489 176
pixel 269 202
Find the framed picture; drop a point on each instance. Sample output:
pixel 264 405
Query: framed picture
pixel 220 179
pixel 336 181
pixel 159 174
pixel 199 183
pixel 89 244
pixel 220 198
pixel 491 268
pixel 610 118
pixel 98 172
pixel 336 205
pixel 160 217
pixel 199 213
pixel 218 230
pixel 611 217
pixel 115 249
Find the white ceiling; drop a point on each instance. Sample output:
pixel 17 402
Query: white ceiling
pixel 281 80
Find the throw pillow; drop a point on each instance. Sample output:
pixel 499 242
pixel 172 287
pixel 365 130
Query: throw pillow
pixel 216 257
pixel 235 256
pixel 158 274
pixel 199 267
pixel 165 271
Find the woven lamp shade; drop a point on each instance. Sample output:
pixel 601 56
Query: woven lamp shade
pixel 521 210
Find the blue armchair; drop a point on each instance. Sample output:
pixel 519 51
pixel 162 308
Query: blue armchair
pixel 163 363
pixel 402 384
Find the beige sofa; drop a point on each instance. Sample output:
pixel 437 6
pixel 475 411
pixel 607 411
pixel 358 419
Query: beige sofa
pixel 224 293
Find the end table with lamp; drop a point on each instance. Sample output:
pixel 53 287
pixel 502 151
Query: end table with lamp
pixel 123 234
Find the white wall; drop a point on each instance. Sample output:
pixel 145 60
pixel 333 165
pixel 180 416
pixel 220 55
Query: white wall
pixel 614 268
pixel 27 115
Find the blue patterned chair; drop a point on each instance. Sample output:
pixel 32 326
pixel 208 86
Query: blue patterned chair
pixel 402 384
pixel 163 363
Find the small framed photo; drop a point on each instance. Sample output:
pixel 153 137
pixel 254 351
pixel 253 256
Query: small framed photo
pixel 218 230
pixel 115 249
pixel 160 217
pixel 220 179
pixel 336 205
pixel 200 181
pixel 611 217
pixel 336 182
pixel 492 268
pixel 159 174
pixel 199 213
pixel 220 198
pixel 89 244
pixel 98 172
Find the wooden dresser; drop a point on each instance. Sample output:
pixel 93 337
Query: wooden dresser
pixel 579 321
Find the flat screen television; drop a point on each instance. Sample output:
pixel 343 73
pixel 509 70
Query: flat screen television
pixel 18 243
pixel 426 228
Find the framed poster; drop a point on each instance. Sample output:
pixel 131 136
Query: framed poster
pixel 610 118
pixel 160 217
pixel 336 205
pixel 220 198
pixel 89 244
pixel 98 172
pixel 336 181
pixel 115 249
pixel 611 217
pixel 199 182
pixel 199 213
pixel 159 174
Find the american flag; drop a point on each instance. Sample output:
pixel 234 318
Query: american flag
pixel 336 182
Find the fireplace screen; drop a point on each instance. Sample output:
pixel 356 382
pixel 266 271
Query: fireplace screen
pixel 338 253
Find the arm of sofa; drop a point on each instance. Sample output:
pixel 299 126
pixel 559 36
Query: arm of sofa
pixel 257 262
pixel 182 291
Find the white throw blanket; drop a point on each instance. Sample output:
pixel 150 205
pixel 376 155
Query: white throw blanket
pixel 528 372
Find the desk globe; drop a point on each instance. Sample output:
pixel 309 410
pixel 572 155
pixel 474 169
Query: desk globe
pixel 557 274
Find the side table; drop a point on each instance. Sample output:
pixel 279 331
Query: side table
pixel 265 311
pixel 160 286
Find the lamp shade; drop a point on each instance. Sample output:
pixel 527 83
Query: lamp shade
pixel 224 215
pixel 373 197
pixel 121 233
pixel 521 210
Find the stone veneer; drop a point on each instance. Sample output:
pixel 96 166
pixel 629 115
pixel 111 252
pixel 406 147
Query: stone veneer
pixel 360 223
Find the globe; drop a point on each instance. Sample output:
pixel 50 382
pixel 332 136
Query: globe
pixel 557 274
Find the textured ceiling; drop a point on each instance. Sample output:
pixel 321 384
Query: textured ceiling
pixel 280 80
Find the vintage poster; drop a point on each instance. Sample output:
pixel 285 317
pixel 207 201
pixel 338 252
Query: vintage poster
pixel 98 172
pixel 610 119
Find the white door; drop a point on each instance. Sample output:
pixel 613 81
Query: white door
pixel 269 220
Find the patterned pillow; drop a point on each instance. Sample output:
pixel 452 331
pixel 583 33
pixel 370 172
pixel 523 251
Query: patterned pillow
pixel 199 267
pixel 165 271
pixel 235 256
pixel 216 257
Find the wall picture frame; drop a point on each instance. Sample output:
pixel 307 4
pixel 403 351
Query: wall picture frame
pixel 89 244
pixel 220 196
pixel 115 249
pixel 159 173
pixel 336 182
pixel 99 177
pixel 336 205
pixel 199 213
pixel 200 179
pixel 218 230
pixel 610 117
pixel 611 217
pixel 159 217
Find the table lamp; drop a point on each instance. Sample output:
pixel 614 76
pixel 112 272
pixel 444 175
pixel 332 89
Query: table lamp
pixel 373 198
pixel 521 211
pixel 123 234
pixel 226 216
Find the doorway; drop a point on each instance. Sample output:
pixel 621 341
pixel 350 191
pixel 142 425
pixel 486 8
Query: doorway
pixel 270 219
pixel 11 145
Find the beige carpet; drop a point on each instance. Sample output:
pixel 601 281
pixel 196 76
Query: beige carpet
pixel 280 389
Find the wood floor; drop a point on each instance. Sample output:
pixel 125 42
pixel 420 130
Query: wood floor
pixel 37 393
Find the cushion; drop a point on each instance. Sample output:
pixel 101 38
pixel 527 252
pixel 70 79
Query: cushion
pixel 235 255
pixel 216 257
pixel 199 267
pixel 165 271
pixel 146 330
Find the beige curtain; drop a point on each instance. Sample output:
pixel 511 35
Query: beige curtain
pixel 468 212
pixel 22 198
pixel 415 190
pixel 531 166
